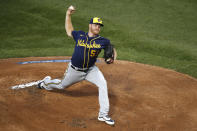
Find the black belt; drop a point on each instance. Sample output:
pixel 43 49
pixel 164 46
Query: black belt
pixel 77 69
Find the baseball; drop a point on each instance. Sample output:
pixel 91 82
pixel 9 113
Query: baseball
pixel 71 8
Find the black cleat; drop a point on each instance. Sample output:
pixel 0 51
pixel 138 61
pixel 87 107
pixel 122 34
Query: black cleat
pixel 39 85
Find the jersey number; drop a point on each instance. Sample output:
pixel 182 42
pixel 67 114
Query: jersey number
pixel 93 53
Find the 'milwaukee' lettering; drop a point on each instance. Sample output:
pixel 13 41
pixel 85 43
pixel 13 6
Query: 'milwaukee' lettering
pixel 94 45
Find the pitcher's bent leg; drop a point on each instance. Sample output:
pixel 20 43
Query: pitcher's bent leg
pixel 71 76
pixel 96 77
pixel 55 83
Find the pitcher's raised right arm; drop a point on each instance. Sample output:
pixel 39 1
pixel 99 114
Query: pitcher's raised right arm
pixel 68 23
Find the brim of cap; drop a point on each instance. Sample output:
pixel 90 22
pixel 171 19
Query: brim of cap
pixel 98 24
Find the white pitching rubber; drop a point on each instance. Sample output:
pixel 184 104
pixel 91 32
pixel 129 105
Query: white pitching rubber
pixel 26 85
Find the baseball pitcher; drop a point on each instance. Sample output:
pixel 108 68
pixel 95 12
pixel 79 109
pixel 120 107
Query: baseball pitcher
pixel 82 66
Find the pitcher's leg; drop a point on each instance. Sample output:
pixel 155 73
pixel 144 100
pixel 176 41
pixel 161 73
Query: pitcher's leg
pixel 50 84
pixel 71 76
pixel 96 77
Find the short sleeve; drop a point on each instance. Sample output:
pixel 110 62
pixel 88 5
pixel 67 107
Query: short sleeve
pixel 75 35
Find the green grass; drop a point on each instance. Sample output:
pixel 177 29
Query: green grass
pixel 161 33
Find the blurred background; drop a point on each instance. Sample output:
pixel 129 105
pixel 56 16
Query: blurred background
pixel 161 33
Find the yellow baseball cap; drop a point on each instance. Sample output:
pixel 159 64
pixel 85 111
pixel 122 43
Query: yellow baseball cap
pixel 96 20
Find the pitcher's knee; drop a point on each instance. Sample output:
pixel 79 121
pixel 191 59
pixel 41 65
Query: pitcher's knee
pixel 103 84
pixel 64 85
pixel 61 87
pixel 103 87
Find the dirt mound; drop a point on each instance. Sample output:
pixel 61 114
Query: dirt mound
pixel 142 98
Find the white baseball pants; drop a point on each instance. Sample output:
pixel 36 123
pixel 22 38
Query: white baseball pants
pixel 94 75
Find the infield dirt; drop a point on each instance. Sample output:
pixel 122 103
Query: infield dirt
pixel 142 98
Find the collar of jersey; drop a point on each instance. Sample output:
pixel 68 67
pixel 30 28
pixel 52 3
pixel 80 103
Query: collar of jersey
pixel 91 37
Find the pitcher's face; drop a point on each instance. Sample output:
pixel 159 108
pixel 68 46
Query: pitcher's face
pixel 95 28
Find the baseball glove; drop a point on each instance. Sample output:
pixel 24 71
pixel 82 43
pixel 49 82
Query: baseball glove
pixel 109 54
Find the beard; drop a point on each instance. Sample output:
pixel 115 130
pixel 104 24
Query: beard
pixel 94 30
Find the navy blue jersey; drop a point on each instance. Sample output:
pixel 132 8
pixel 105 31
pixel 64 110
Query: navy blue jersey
pixel 87 49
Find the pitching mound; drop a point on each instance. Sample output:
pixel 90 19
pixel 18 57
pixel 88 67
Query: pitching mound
pixel 142 98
